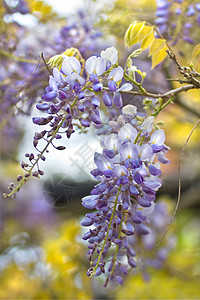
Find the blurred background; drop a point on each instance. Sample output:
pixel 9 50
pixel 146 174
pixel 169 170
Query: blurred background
pixel 42 254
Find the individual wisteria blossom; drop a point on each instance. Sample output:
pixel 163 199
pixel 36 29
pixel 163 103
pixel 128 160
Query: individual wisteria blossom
pixel 129 178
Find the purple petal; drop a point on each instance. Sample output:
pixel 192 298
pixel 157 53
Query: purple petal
pixel 87 222
pixel 85 123
pixel 117 100
pixel 162 158
pixel 49 96
pixel 154 171
pixel 43 106
pixel 119 280
pixel 132 262
pixel 102 162
pixel 90 202
pixel 107 99
pixel 133 190
pixel 112 86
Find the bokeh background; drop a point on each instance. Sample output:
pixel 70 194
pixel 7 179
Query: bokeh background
pixel 42 254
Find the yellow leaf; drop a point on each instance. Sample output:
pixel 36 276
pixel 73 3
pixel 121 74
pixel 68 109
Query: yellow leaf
pixel 133 33
pixel 127 34
pixel 196 57
pixel 157 45
pixel 158 57
pixel 148 40
pixel 145 32
pixel 196 52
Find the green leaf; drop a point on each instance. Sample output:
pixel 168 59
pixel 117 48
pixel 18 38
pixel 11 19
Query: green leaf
pixel 136 53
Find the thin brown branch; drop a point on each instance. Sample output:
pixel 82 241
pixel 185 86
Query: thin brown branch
pixel 47 67
pixel 169 94
pixel 179 189
pixel 27 81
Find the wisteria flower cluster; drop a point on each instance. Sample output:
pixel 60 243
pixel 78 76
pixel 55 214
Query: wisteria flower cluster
pixel 23 82
pixel 128 180
pixel 169 15
pixel 74 94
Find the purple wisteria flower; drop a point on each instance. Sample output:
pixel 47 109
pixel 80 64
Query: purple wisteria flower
pixel 128 178
pixel 74 91
pixel 168 18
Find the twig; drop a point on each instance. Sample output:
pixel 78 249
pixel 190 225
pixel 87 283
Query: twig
pixel 42 56
pixel 185 71
pixel 21 87
pixel 179 189
pixel 169 94
pixel 17 58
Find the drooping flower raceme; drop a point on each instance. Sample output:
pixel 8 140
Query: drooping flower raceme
pixel 72 100
pixel 128 178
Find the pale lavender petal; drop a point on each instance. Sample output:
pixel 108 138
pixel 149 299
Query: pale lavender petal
pixel 158 137
pixel 153 184
pixel 58 75
pixel 120 170
pixel 125 87
pixel 90 202
pixel 147 210
pixel 128 150
pixel 117 100
pixel 162 158
pixel 102 162
pixel 127 132
pixel 147 125
pixel 52 83
pixel 146 152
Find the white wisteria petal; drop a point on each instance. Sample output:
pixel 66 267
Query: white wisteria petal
pixel 52 83
pixel 146 210
pixel 100 66
pixel 147 125
pixel 116 74
pixel 58 75
pixel 110 54
pixel 129 110
pixel 110 142
pixel 90 64
pixel 70 65
pixel 125 87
